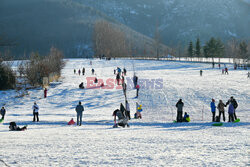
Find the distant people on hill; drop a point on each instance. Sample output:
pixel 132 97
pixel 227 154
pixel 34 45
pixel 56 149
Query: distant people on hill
pixel 231 113
pixel 83 71
pixel 81 86
pixel 3 112
pixel 213 109
pixel 93 71
pixel 119 70
pixel 219 65
pixel 79 109
pixel 118 78
pixel 248 75
pixel 45 92
pixel 74 71
pixel 213 64
pixel 235 105
pixel 79 72
pixel 186 117
pixel 135 80
pixel 35 109
pixel 179 105
pixel 223 70
pixel 125 71
pixel 226 70
pixel 221 109
pixel 201 72
pixel 137 90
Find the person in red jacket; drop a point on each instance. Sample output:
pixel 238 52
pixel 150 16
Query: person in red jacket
pixel 137 90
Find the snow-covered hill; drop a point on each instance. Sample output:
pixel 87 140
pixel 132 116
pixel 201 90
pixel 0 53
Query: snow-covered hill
pixel 152 141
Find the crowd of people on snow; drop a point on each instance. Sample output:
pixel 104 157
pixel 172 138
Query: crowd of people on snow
pixel 124 114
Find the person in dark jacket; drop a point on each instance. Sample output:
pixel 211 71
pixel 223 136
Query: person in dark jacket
pixel 200 72
pixel 235 105
pixel 125 71
pixel 83 71
pixel 45 92
pixel 231 113
pixel 213 109
pixel 79 109
pixel 93 71
pixel 79 72
pixel 221 109
pixel 128 110
pixel 3 112
pixel 179 105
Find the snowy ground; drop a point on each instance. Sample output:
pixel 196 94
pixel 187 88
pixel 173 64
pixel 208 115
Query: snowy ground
pixel 152 141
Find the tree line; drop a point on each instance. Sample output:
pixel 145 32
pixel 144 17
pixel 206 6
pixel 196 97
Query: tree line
pixel 33 70
pixel 215 48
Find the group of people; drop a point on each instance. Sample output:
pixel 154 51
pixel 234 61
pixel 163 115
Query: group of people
pixel 221 107
pixel 180 118
pixel 79 71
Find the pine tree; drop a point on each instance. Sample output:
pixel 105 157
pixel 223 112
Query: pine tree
pixel 243 50
pixel 198 48
pixel 190 49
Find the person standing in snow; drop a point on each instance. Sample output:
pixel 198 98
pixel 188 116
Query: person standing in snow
pixel 45 93
pixel 128 110
pixel 135 80
pixel 118 78
pixel 226 70
pixel 35 108
pixel 221 109
pixel 231 113
pixel 79 72
pixel 79 109
pixel 201 73
pixel 93 71
pixel 235 105
pixel 213 109
pixel 83 71
pixel 3 112
pixel 125 71
pixel 74 71
pixel 248 75
pixel 179 105
pixel 137 90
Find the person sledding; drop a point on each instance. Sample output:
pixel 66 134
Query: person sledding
pixel 14 127
pixel 122 117
pixel 81 86
pixel 138 111
pixel 71 122
pixel 186 117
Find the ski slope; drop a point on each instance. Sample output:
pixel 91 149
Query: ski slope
pixel 152 141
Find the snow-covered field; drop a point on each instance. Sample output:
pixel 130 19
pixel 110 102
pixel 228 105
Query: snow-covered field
pixel 152 141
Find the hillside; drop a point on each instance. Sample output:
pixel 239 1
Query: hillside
pixel 35 25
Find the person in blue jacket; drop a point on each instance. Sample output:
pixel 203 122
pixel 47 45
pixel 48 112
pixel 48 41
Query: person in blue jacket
pixel 213 109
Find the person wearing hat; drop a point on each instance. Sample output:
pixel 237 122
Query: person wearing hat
pixel 213 109
pixel 79 109
pixel 35 109
pixel 179 105
pixel 235 105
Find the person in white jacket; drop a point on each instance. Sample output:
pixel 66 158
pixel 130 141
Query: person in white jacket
pixel 127 110
pixel 35 109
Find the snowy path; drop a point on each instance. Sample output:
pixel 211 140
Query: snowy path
pixel 152 141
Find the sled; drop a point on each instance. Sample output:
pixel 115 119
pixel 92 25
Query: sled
pixel 237 120
pixel 217 124
pixel 1 120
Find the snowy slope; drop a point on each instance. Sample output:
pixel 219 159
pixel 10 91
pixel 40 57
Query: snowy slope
pixel 152 141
